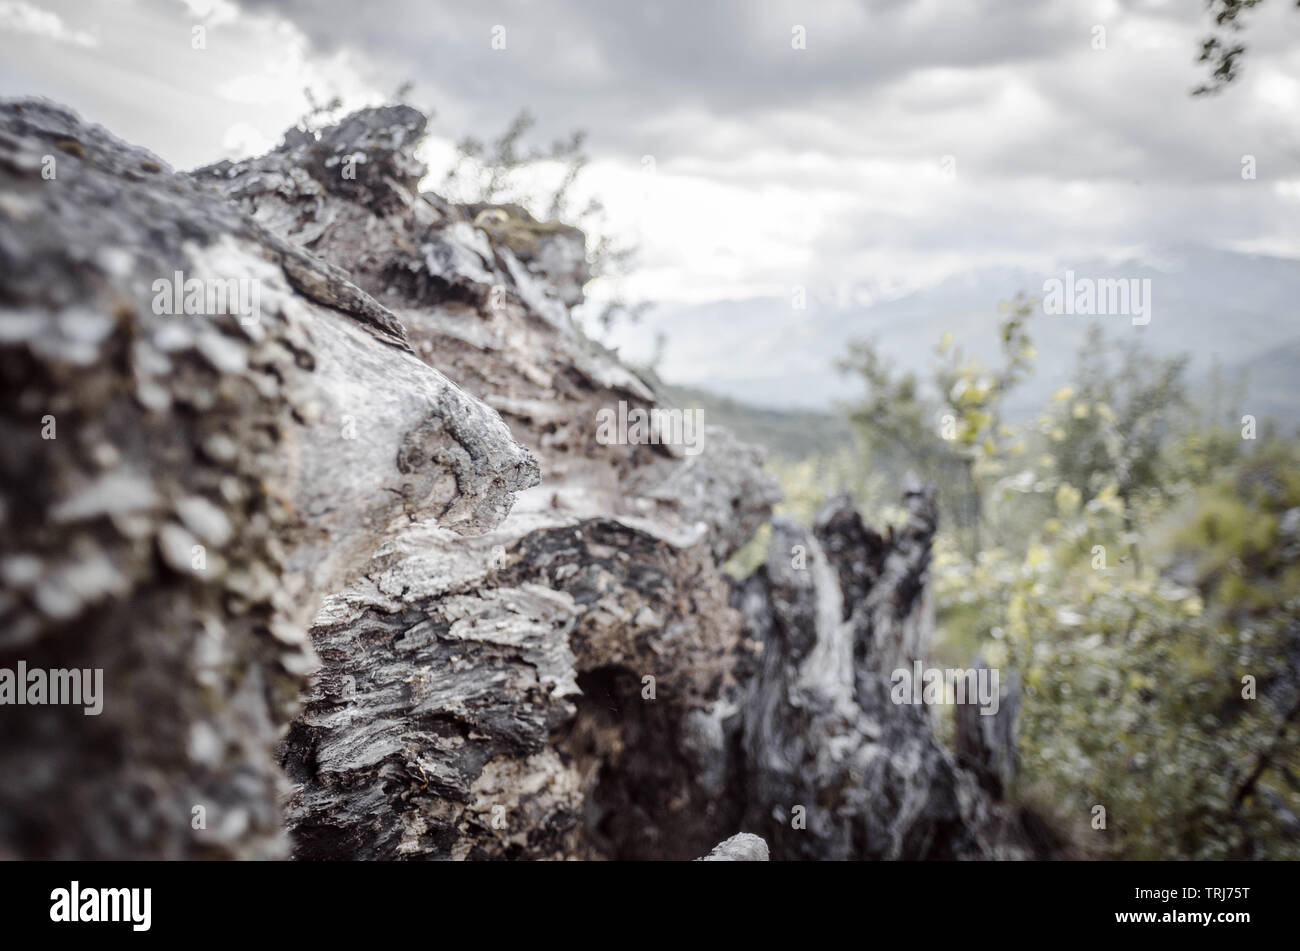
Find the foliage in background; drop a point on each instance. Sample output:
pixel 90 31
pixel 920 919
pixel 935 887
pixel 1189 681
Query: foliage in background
pixel 505 171
pixel 1134 558
pixel 1224 48
pixel 957 440
pixel 540 181
pixel 320 112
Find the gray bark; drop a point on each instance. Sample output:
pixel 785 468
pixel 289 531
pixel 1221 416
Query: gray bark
pixel 986 744
pixel 479 698
pixel 831 767
pixel 401 645
pixel 173 432
pixel 742 847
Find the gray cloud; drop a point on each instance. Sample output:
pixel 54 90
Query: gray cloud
pixel 776 166
pixel 621 67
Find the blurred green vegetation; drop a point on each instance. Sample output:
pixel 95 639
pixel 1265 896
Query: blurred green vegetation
pixel 1133 554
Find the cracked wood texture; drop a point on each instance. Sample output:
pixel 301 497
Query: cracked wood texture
pixel 209 480
pixel 438 619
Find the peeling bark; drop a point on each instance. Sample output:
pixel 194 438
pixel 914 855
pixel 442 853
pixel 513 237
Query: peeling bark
pixel 611 571
pixel 742 847
pixel 400 645
pixel 209 479
pixel 830 767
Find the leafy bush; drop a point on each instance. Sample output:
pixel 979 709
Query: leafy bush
pixel 1138 565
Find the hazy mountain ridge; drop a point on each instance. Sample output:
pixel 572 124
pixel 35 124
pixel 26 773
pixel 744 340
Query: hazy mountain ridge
pixel 1213 304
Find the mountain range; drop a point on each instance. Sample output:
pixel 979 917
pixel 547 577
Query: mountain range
pixel 1237 310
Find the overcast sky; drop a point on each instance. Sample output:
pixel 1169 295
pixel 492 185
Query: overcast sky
pixel 822 167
